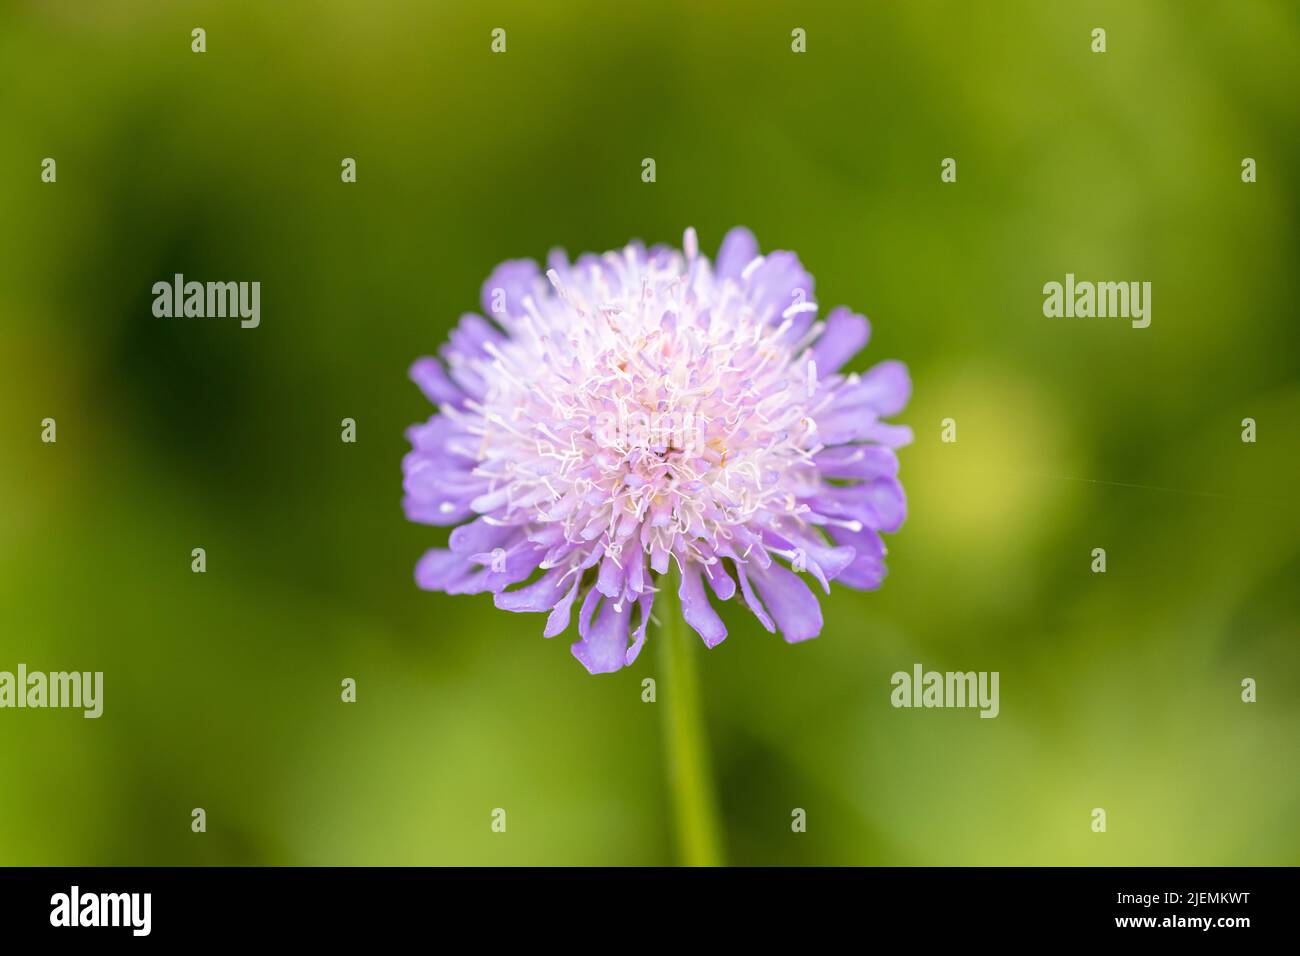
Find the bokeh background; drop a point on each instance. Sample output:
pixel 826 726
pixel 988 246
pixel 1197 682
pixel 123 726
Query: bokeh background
pixel 1119 690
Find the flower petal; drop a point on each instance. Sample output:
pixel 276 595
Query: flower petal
pixel 880 503
pixel 778 284
pixel 646 603
pixel 515 278
pixel 720 581
pixel 696 609
pixel 857 461
pixel 439 568
pixel 479 535
pixel 868 568
pixel 604 649
pixel 796 609
pixel 884 389
pixel 541 595
pixel 739 248
pixel 428 373
pixel 558 622
pixel 845 335
pixel 751 599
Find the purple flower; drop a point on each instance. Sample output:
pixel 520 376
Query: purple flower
pixel 645 407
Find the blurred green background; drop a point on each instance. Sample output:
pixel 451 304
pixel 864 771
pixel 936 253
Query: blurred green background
pixel 1119 690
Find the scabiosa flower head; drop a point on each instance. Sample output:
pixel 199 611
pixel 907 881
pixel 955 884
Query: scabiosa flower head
pixel 647 407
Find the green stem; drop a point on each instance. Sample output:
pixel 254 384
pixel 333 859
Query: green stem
pixel 690 782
